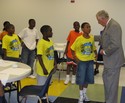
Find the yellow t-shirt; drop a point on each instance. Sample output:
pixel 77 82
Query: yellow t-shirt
pixel 46 49
pixel 11 44
pixel 84 48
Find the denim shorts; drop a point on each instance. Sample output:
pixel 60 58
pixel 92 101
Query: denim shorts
pixel 85 72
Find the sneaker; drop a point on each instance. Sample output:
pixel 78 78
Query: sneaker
pixel 67 80
pixel 85 98
pixel 81 99
pixel 32 76
pixel 73 80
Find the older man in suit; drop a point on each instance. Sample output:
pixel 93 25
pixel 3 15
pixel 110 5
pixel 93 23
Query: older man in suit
pixel 113 55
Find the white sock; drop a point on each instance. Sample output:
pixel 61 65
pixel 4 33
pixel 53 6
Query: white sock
pixel 67 76
pixel 73 76
pixel 84 90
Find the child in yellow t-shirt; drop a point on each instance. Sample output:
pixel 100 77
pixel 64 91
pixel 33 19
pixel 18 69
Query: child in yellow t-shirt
pixel 45 55
pixel 84 53
pixel 10 44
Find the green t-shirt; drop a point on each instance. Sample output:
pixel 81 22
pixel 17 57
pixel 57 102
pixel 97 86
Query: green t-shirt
pixel 46 49
pixel 84 48
pixel 11 44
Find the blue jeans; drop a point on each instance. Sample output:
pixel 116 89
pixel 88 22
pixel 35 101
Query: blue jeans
pixel 28 57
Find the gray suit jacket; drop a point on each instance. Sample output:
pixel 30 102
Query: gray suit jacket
pixel 111 41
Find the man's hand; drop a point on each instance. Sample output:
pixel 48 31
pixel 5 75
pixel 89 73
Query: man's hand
pixel 102 52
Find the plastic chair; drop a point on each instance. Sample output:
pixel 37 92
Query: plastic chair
pixel 38 91
pixel 60 62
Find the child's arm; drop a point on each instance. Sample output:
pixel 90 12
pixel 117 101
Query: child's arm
pixel 55 64
pixel 42 64
pixel 4 53
pixel 37 41
pixel 22 43
pixel 96 55
pixel 95 50
pixel 74 56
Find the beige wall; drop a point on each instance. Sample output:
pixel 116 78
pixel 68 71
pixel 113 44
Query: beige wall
pixel 60 14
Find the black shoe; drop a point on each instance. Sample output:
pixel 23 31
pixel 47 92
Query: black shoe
pixel 96 71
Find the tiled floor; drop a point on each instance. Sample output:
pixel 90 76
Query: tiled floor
pixel 70 93
pixel 95 92
pixel 98 78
